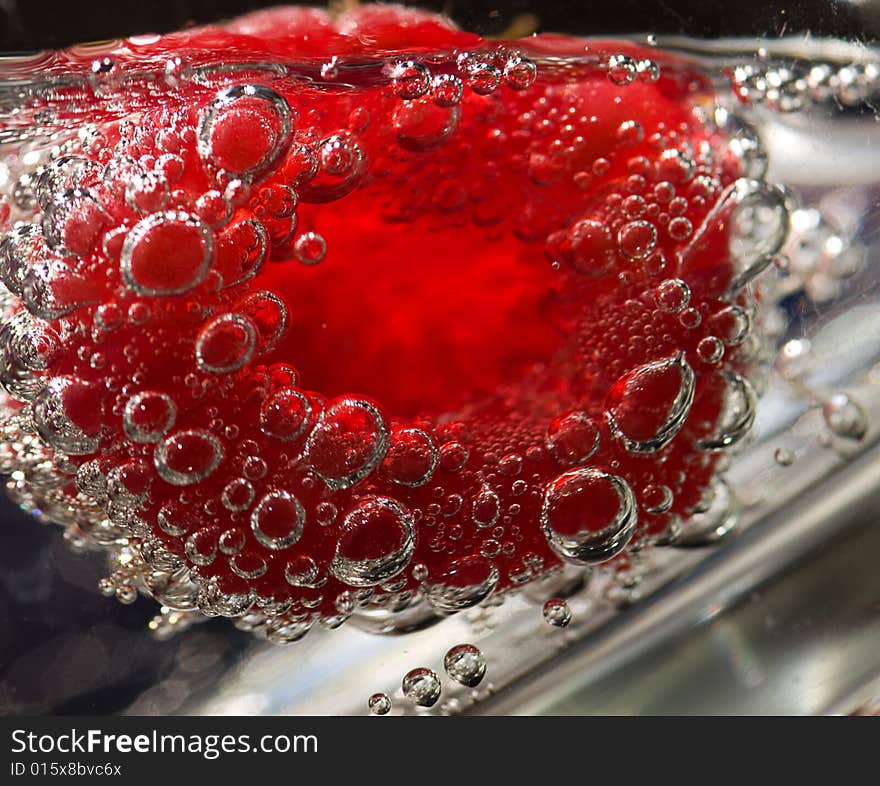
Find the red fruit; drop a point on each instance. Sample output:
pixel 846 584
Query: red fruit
pixel 420 317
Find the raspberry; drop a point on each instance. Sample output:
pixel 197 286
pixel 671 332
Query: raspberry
pixel 404 317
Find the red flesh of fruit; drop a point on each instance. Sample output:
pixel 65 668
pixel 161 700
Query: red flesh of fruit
pixel 486 302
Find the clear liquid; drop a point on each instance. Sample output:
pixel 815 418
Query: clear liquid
pixel 819 407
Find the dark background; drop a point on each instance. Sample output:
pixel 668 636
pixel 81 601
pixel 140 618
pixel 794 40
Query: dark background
pixel 67 650
pixel 37 24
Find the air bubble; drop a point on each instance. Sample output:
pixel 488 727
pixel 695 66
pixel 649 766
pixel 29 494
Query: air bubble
pixel 226 597
pixel 412 457
pixel 466 664
pixel 622 70
pixel 845 417
pixel 147 193
pixel 467 582
pixel 201 546
pixel 520 73
pixel 557 612
pixel 52 290
pixel 108 316
pixel 637 239
pixel 634 206
pixel 486 507
pixel 19 249
pixel 244 130
pixel 268 314
pixel 601 167
pixel 422 687
pixel 715 516
pixel 64 174
pixel 630 133
pixel 647 407
pixel 275 202
pixel 248 565
pixel 310 248
pixel 213 208
pixel 737 413
pixel 148 415
pixel 175 519
pixel 690 318
pixel 572 438
pixel 424 125
pixel 30 342
pixel 73 221
pixel 340 166
pixel 348 442
pixel 410 79
pixel 237 495
pixel 188 457
pixel 285 415
pixel 589 248
pixel 680 228
pixel 731 325
pixel 278 520
pixel 675 167
pixel 280 630
pixel 783 457
pixel 66 416
pixel 672 295
pixel 483 78
pixel 166 254
pixel 301 572
pixel 710 350
pixel 759 226
pixel 648 70
pixel 379 704
pixel 232 541
pixel 225 344
pixel 446 90
pixel 377 543
pixel 453 456
pixel 325 513
pixel 254 468
pixel 337 156
pixel 656 499
pixel 588 516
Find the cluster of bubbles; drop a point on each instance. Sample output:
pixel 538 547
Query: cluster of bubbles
pixel 346 440
pixel 794 85
pixel 588 513
pixel 624 70
pixel 464 664
pixel 817 258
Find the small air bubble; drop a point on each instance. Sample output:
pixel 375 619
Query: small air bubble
pixel 520 73
pixel 845 417
pixel 783 457
pixel 410 79
pixel 446 90
pixel 466 664
pixel 422 687
pixel 310 248
pixel 557 612
pixel 622 70
pixel 630 133
pixel 379 704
